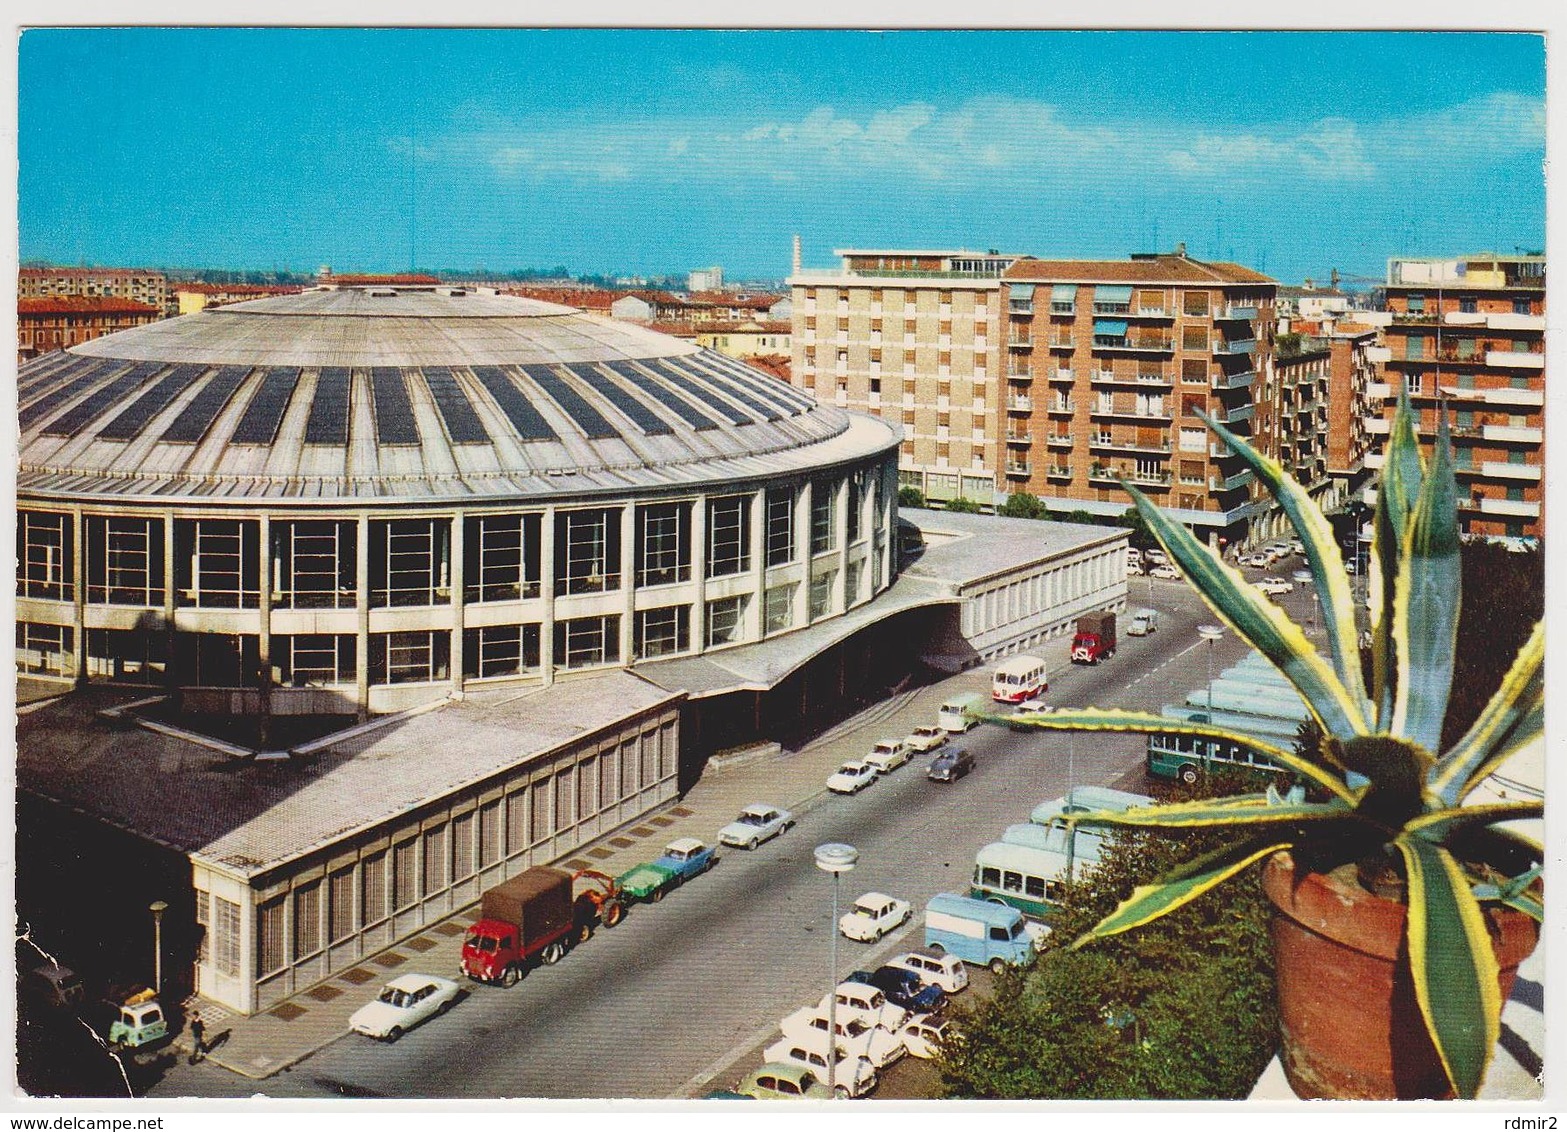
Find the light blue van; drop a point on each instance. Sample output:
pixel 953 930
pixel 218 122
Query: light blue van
pixel 979 932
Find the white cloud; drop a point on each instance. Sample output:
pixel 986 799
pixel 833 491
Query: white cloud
pixel 995 137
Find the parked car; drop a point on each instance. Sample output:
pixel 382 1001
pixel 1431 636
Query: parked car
pixel 757 823
pixel 1274 586
pixel 1143 622
pixel 1260 559
pixel 944 971
pixel 1349 566
pixel 853 1077
pixel 950 765
pixel 873 916
pixel 1156 556
pixel 681 860
pixel 868 1004
pixel 402 1004
pixel 1030 707
pixel 926 739
pixel 923 1034
pixel 808 1026
pixel 851 778
pixel 1166 571
pixel 782 1081
pixel 904 988
pixel 888 755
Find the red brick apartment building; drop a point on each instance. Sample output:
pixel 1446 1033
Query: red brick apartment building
pixel 46 324
pixel 1108 362
pixel 1468 332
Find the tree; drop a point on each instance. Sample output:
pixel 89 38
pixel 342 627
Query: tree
pixel 1183 1008
pixel 1081 516
pixel 1023 505
pixel 963 505
pixel 910 497
pixel 1288 345
pixel 1142 537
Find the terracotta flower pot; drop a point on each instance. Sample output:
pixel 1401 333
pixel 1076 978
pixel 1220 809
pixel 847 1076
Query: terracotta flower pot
pixel 1350 1025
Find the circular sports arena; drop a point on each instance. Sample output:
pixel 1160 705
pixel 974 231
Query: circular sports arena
pixel 360 500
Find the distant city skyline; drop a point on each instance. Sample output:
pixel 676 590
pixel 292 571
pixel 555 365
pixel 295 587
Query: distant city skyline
pixel 655 152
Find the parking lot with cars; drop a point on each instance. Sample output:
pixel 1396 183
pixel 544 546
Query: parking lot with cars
pixel 746 945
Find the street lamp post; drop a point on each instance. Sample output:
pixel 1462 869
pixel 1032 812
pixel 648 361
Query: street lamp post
pixel 1303 578
pixel 1209 633
pixel 157 908
pixel 835 858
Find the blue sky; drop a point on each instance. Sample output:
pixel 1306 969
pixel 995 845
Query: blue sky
pixel 657 151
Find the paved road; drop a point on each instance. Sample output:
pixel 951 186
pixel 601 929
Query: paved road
pixel 683 988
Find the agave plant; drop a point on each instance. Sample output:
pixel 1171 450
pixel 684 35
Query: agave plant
pixel 1385 786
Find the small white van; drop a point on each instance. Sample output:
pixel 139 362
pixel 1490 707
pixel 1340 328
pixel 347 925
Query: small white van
pixel 1143 622
pixel 955 714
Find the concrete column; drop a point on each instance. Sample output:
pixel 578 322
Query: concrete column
pixel 840 533
pixel 459 531
pixel 169 576
pixel 547 596
pixel 362 608
pixel 802 597
pixel 78 599
pixel 628 578
pixel 699 574
pixel 758 613
pixel 264 611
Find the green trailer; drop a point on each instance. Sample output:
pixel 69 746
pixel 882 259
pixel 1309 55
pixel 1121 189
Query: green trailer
pixel 648 882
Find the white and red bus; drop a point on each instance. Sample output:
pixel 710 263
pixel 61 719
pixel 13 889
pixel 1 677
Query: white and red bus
pixel 1019 678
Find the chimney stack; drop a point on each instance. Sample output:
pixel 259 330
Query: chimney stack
pixel 1180 249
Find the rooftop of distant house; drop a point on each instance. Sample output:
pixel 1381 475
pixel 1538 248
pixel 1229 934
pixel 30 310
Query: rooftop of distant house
pixel 255 289
pixel 83 272
pixel 83 304
pixel 407 279
pixel 1175 267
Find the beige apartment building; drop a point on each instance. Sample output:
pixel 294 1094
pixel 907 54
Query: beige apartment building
pixel 135 284
pixel 1107 364
pixel 917 338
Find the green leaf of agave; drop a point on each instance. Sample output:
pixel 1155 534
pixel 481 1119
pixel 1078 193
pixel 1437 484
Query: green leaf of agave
pixel 1252 810
pixel 1454 968
pixel 1402 473
pixel 1322 554
pixel 1437 827
pixel 1113 719
pixel 1180 886
pixel 1426 600
pixel 1511 720
pixel 1258 621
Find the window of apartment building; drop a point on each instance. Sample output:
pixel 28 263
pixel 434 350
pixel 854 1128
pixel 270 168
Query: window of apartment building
pixel 663 543
pixel 1468 304
pixel 876 383
pixel 307 920
pixel 1193 440
pixel 587 551
pixel 501 557
pixel 1150 405
pixel 541 820
pixel 1414 382
pixel 1191 471
pixel 500 650
pixel 218 563
pixel 1518 381
pixel 489 833
pixel 780 525
pixel 124 563
pixel 824 509
pixel 583 642
pixel 311 660
pixel 1466 351
pixel 1414 347
pixel 821 593
pixel 662 632
pixel 314 564
pixel 725 621
pixel 1466 381
pixel 1194 303
pixel 1191 406
pixel 43 553
pixel 1415 304
pixel 1104 401
pixel 1194 370
pixel 778 607
pixel 728 536
pixel 409 561
pixel 843 357
pixel 1194 337
pixel 416 657
pixel 1522 306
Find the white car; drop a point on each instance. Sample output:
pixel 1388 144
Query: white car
pixel 1274 586
pixel 854 1076
pixel 873 916
pixel 1157 557
pixel 851 778
pixel 944 971
pixel 1166 571
pixel 757 823
pixel 924 1033
pixel 888 755
pixel 926 739
pixel 402 1004
pixel 808 1026
pixel 868 1004
pixel 1259 559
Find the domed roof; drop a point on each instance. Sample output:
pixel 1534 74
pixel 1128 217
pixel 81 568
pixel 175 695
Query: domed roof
pixel 398 393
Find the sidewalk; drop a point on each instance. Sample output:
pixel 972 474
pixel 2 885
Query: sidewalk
pixel 264 1044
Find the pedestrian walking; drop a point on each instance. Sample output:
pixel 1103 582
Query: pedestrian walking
pixel 198 1035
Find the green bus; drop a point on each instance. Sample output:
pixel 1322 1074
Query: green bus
pixel 1185 758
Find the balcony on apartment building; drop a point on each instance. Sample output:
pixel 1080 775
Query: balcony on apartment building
pixel 1112 334
pixel 1148 380
pixel 1061 342
pixel 1236 312
pixel 1063 374
pixel 1061 407
pixel 1112 444
pixel 1500 470
pixel 1020 403
pixel 1019 469
pixel 1512 434
pixel 1104 473
pixel 1240 379
pixel 1231 482
pixel 1020 374
pixel 1141 416
pixel 1514 359
pixel 1058 472
pixel 1013 436
pixel 1233 414
pixel 1020 339
pixel 1508 508
pixel 1234 347
pixel 1059 440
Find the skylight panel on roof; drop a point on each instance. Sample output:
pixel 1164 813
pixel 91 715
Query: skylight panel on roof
pixel 80 415
pixel 202 409
pixel 587 418
pixel 264 414
pixel 683 381
pixel 644 418
pixel 727 384
pixel 664 395
pixel 394 412
pixel 770 390
pixel 141 411
pixel 462 423
pixel 67 384
pixel 530 425
pixel 328 420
